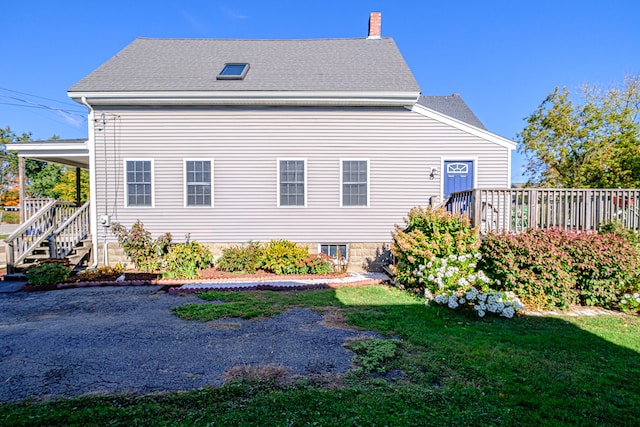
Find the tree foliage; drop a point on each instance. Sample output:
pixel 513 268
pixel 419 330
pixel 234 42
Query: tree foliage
pixel 588 143
pixel 44 179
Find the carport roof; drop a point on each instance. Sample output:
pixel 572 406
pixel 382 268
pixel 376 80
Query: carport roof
pixel 69 152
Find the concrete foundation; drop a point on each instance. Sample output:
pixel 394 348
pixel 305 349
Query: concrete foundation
pixel 362 257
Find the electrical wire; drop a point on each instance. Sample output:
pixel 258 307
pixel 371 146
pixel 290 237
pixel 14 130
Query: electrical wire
pixel 30 104
pixel 40 97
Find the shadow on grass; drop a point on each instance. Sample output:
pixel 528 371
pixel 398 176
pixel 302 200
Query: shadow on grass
pixel 456 369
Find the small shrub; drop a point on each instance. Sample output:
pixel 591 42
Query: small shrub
pixel 183 260
pixel 319 264
pixel 106 272
pixel 145 252
pixel 284 257
pixel 47 273
pixel 11 218
pixel 245 259
pixel 429 233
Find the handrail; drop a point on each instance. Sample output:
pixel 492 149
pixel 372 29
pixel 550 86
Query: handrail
pixel 70 233
pixel 29 222
pixel 514 210
pixel 26 238
pixel 32 206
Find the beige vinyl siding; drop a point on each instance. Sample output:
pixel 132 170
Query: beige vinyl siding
pixel 244 143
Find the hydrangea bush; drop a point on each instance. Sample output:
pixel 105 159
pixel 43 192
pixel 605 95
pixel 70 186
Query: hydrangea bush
pixel 630 302
pixel 456 282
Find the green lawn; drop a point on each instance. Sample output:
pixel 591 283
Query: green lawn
pixel 457 370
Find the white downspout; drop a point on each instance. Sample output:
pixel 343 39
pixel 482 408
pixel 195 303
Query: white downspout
pixel 93 187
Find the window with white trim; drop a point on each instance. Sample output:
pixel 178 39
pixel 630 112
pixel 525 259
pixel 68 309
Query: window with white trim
pixel 355 182
pixel 139 178
pixel 291 182
pixel 198 177
pixel 337 251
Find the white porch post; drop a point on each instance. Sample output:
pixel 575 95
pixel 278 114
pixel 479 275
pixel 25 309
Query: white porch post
pixel 22 190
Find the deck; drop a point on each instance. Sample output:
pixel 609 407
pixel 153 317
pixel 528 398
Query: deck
pixel 513 210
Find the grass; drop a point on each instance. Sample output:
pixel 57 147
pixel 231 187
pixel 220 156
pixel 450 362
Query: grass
pixel 457 370
pixel 3 236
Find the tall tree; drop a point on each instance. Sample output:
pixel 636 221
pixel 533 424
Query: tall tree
pixel 593 142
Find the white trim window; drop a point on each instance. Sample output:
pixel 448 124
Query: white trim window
pixel 139 182
pixel 335 250
pixel 198 183
pixel 354 182
pixel 292 182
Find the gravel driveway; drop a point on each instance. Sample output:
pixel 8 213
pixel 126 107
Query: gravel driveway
pixel 126 339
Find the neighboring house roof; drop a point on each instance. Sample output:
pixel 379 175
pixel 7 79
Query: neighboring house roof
pixel 356 66
pixel 452 106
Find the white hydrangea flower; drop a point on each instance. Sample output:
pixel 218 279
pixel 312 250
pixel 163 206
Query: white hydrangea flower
pixel 462 301
pixel 508 312
pixel 453 303
pixel 481 313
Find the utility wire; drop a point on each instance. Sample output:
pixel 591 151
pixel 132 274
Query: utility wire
pixel 36 96
pixel 42 106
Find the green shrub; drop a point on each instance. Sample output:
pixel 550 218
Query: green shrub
pixel 47 273
pixel 106 272
pixel 428 234
pixel 605 266
pixel 183 260
pixel 11 218
pixel 145 252
pixel 532 264
pixel 245 258
pixel 284 257
pixel 319 264
pixel 617 228
pixel 557 268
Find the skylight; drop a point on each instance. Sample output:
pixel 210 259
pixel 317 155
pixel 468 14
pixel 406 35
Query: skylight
pixel 234 71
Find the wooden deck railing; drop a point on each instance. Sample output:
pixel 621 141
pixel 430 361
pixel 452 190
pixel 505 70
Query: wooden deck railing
pixel 53 219
pixel 73 231
pixel 512 210
pixel 31 206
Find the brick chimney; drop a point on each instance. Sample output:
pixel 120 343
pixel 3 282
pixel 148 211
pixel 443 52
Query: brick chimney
pixel 375 22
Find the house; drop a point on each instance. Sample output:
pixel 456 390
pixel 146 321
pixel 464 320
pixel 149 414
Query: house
pixel 324 142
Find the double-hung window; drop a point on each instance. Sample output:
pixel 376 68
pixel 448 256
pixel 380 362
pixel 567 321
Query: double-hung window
pixel 139 178
pixel 354 187
pixel 292 182
pixel 198 182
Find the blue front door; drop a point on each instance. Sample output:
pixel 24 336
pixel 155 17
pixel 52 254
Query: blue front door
pixel 458 176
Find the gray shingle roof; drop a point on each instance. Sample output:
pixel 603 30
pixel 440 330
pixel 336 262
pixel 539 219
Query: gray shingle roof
pixel 452 106
pixel 275 65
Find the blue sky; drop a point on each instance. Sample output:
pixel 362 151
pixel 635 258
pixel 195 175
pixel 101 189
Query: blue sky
pixel 503 57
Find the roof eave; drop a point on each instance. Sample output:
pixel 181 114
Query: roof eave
pixel 245 98
pixel 482 133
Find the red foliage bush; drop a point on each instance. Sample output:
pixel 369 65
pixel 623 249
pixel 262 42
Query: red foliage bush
pixel 558 268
